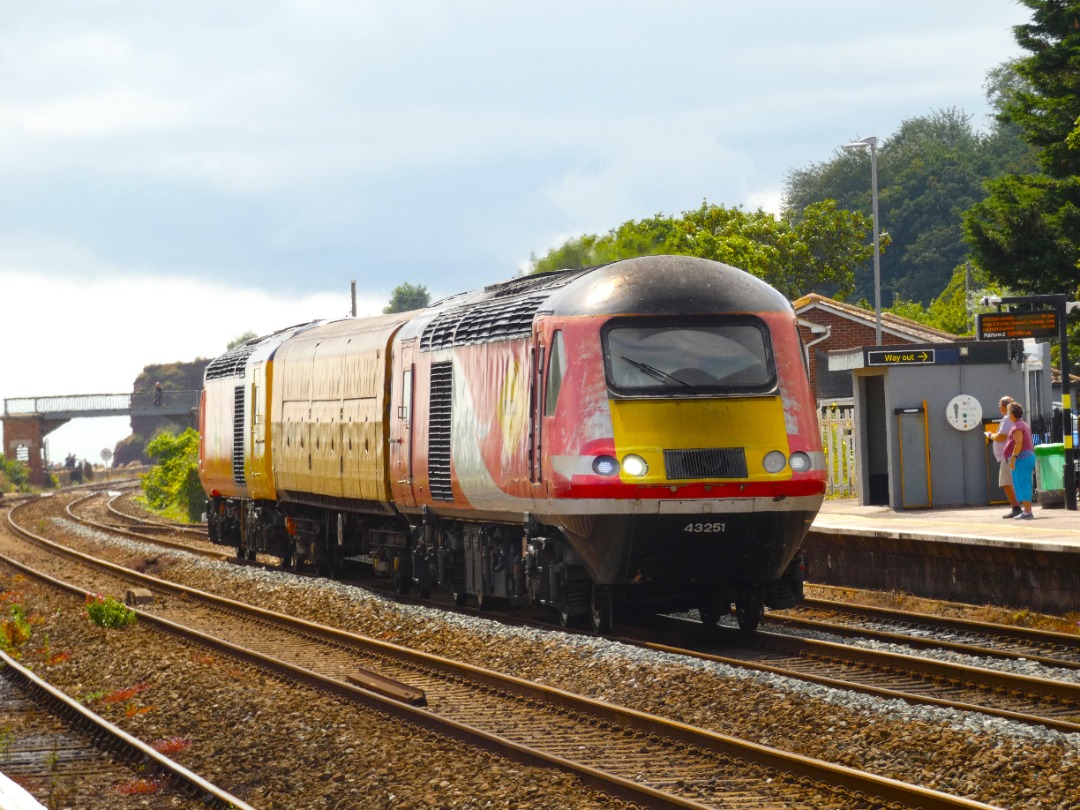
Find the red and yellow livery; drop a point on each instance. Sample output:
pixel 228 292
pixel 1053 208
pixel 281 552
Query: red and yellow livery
pixel 636 436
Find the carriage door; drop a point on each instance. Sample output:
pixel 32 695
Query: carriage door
pixel 536 413
pixel 258 428
pixel 401 425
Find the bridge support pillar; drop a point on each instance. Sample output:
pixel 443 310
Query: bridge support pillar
pixel 24 440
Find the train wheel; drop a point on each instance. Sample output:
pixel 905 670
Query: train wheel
pixel 603 610
pixel 749 610
pixel 402 584
pixel 288 560
pixel 460 599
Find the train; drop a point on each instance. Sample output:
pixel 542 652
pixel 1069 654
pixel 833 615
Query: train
pixel 629 439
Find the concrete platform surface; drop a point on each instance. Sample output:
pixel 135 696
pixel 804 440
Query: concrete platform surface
pixel 977 525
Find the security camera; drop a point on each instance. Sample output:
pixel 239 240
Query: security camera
pixel 990 300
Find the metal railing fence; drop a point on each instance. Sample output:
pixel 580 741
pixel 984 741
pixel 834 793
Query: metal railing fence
pixel 90 404
pixel 836 419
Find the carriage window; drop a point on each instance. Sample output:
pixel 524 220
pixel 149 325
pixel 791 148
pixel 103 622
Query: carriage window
pixel 556 369
pixel 688 357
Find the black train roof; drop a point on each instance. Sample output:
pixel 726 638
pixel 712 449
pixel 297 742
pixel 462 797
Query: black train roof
pixel 654 285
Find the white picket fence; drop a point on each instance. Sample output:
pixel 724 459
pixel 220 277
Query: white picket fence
pixel 837 421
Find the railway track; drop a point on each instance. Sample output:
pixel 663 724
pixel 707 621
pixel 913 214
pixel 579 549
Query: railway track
pixel 641 758
pixel 67 756
pixel 903 673
pixel 922 630
pixel 1041 701
pixel 158 532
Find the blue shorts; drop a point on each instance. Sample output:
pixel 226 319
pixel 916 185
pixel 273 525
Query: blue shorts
pixel 1022 473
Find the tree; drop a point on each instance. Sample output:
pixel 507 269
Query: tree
pixel 244 338
pixel 819 250
pixel 1027 231
pixel 172 487
pixel 406 298
pixel 954 310
pixel 930 171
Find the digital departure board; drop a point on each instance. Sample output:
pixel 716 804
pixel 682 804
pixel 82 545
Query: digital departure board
pixel 1016 325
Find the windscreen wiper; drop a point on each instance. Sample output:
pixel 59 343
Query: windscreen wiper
pixel 652 371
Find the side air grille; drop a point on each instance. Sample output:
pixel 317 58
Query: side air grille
pixel 439 429
pixel 232 363
pixel 507 312
pixel 713 462
pixel 238 436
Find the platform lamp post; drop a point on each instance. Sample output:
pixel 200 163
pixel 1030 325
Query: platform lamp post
pixel 872 143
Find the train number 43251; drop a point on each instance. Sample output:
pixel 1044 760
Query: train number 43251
pixel 704 528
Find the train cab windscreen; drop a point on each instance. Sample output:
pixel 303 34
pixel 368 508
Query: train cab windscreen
pixel 679 358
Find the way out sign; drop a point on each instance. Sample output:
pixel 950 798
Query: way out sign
pixel 901 357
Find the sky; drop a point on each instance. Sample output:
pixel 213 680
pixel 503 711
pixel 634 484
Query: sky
pixel 175 174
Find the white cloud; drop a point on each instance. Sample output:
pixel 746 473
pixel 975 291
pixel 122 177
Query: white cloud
pixel 89 337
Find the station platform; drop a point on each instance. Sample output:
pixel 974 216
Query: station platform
pixel 1052 526
pixel 967 554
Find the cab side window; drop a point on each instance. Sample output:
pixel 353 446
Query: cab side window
pixel 556 370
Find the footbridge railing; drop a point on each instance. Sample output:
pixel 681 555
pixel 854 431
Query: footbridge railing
pixel 73 406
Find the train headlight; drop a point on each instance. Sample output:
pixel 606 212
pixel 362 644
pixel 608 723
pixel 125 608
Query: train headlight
pixel 606 466
pixel 634 465
pixel 774 461
pixel 800 462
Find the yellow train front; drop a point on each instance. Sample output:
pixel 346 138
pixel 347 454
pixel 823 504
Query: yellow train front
pixel 635 437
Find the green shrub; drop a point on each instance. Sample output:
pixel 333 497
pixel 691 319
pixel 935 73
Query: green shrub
pixel 14 629
pixel 172 487
pixel 108 612
pixel 14 476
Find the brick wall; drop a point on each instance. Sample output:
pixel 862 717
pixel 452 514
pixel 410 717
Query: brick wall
pixel 845 334
pixel 26 432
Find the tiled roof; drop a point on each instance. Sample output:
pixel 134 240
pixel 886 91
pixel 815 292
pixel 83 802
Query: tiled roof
pixel 913 330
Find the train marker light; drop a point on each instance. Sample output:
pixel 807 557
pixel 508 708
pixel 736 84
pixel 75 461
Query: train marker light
pixel 605 465
pixel 800 462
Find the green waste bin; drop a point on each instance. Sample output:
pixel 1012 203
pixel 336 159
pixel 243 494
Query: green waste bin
pixel 1050 474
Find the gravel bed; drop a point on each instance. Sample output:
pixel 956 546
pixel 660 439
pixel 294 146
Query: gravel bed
pixel 986 759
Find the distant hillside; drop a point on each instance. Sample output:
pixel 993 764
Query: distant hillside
pixel 173 377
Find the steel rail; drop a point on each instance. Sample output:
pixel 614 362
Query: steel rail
pixel 202 552
pixel 133 748
pixel 816 771
pixel 871 659
pixel 1029 635
pixel 918 642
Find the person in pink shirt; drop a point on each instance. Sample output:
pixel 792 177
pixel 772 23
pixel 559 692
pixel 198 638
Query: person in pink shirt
pixel 998 440
pixel 1020 452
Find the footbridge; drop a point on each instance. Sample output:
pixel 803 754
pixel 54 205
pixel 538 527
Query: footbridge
pixel 28 420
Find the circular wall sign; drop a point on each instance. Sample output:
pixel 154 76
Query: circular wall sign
pixel 964 412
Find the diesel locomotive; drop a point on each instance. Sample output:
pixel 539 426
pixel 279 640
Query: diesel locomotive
pixel 634 437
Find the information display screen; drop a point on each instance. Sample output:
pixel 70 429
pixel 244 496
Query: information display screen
pixel 1015 325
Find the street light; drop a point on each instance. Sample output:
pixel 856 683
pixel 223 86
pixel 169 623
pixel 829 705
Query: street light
pixel 872 142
